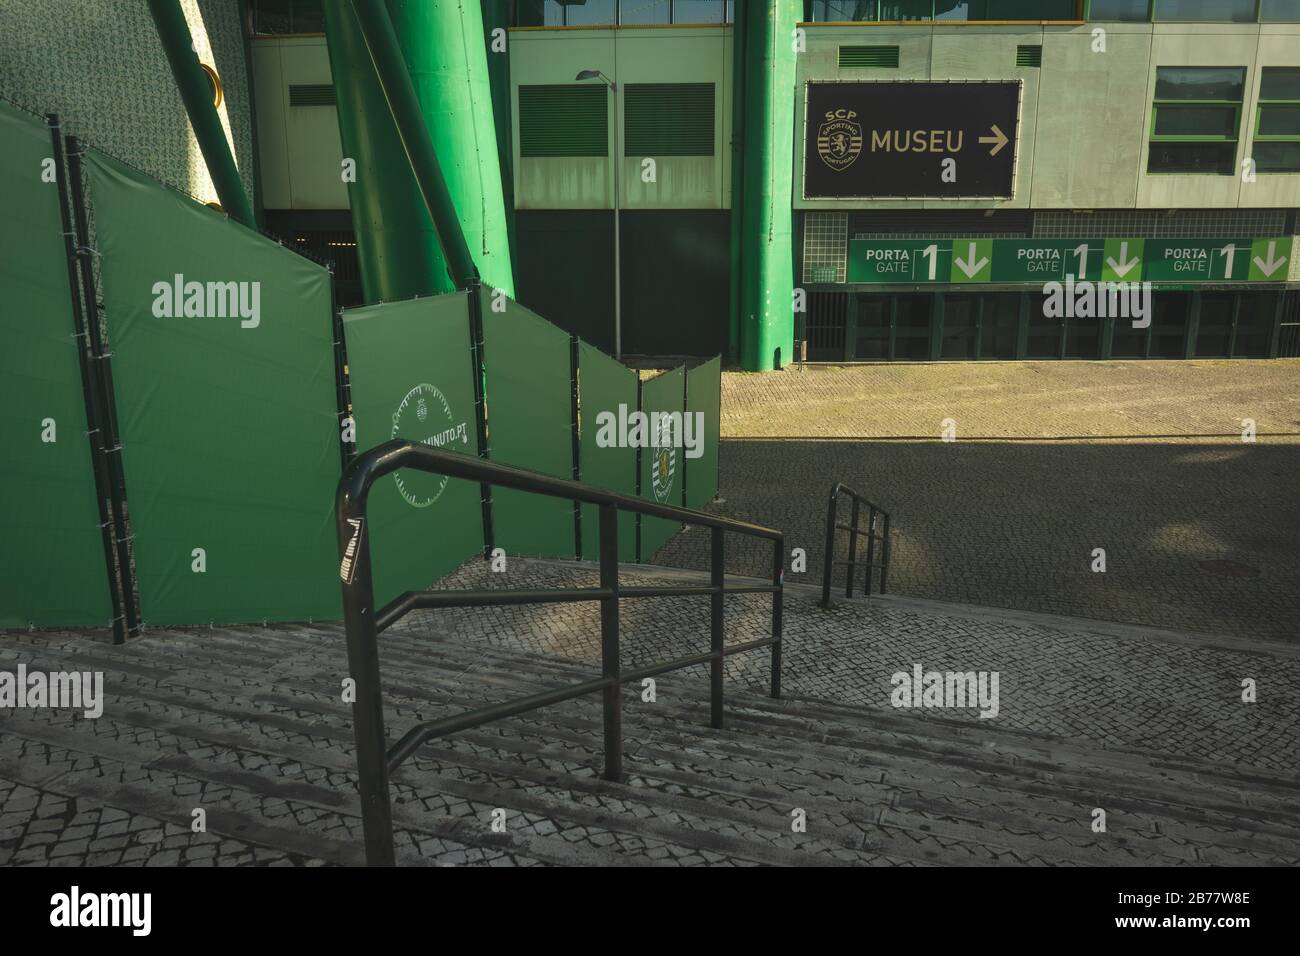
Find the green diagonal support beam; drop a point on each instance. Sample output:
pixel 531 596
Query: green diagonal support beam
pixel 404 105
pixel 196 93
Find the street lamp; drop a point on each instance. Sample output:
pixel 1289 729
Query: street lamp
pixel 618 261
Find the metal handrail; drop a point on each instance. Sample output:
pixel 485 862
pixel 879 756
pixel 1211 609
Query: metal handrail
pixel 829 562
pixel 364 623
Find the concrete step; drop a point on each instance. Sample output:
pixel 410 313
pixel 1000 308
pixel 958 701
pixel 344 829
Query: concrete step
pixel 249 724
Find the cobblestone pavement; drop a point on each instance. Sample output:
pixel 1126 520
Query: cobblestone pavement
pixel 1014 399
pixel 1108 686
pixel 1199 532
pixel 248 725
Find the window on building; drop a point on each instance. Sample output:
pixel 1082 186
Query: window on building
pixel 278 17
pixel 699 11
pixel 591 13
pixel 645 11
pixel 1206 11
pixel 1195 119
pixel 668 119
pixel 1279 11
pixel 564 120
pixel 904 10
pixel 1122 11
pixel 844 11
pixel 1277 124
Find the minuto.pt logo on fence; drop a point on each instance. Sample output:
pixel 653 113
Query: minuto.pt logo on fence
pixel 179 299
pixel 425 412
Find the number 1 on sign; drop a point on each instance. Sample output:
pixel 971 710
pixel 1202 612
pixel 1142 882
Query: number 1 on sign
pixel 1082 252
pixel 1228 251
pixel 931 252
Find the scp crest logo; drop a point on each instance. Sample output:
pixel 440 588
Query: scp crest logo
pixel 839 139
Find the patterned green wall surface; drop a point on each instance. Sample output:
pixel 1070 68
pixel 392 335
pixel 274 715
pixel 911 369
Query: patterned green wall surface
pixel 100 65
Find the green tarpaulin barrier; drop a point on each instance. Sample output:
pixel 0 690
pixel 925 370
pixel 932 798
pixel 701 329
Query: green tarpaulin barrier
pixel 411 372
pixel 223 365
pixel 661 467
pixel 606 395
pixel 704 396
pixel 52 573
pixel 529 417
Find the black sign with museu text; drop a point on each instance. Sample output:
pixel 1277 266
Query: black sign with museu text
pixel 911 140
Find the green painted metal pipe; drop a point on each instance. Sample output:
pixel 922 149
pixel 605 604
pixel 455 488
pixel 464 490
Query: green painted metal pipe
pixel 496 17
pixel 196 93
pixel 398 251
pixel 767 261
pixel 441 43
pixel 404 105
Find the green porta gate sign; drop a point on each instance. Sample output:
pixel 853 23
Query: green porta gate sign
pixel 945 261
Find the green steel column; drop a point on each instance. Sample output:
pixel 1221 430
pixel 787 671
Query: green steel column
pixel 737 178
pixel 767 262
pixel 442 44
pixel 404 105
pixel 196 93
pixel 496 15
pixel 397 247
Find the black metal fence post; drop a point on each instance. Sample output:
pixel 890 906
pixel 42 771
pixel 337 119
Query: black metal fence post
pixel 575 437
pixel 479 365
pixel 885 549
pixel 103 377
pixel 95 431
pixel 609 651
pixel 363 668
pixel 828 562
pixel 778 607
pixel 717 580
pixel 871 548
pixel 853 551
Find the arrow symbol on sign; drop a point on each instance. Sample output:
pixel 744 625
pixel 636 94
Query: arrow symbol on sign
pixel 1269 266
pixel 969 265
pixel 999 138
pixel 1125 264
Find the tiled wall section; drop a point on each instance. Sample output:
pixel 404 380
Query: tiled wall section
pixel 99 64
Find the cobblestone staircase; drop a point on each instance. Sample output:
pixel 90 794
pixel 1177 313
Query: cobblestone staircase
pixel 247 724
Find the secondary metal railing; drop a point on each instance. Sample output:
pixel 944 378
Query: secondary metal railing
pixel 875 516
pixel 375 760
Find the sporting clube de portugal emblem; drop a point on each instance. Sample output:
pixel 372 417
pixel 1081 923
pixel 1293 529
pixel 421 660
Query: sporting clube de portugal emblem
pixel 839 139
pixel 425 415
pixel 663 462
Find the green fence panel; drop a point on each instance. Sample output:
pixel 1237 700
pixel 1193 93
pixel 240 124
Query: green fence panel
pixel 412 376
pixel 223 365
pixel 606 397
pixel 704 405
pixel 53 571
pixel 661 467
pixel 529 417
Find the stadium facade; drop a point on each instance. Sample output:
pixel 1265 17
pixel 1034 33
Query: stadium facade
pixel 911 174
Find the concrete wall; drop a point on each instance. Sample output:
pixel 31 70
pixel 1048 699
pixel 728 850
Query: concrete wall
pixel 685 55
pixel 300 148
pixel 101 66
pixel 1084 120
pixel 1085 115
